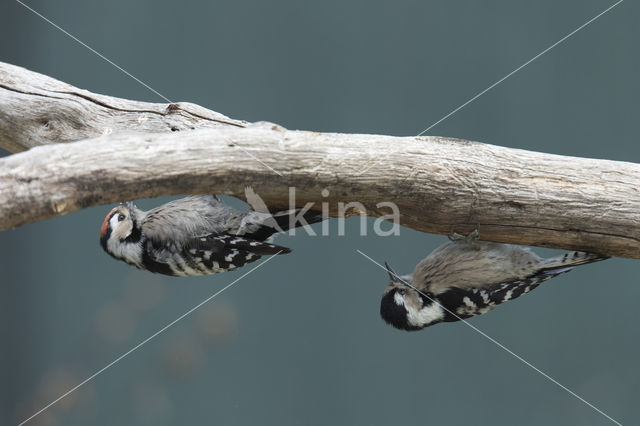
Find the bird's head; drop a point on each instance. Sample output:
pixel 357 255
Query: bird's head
pixel 119 225
pixel 405 308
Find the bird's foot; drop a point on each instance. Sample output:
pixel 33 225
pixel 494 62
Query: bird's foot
pixel 469 239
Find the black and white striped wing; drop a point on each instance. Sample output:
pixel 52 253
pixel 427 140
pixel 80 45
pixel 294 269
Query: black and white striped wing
pixel 208 254
pixel 218 253
pixel 465 303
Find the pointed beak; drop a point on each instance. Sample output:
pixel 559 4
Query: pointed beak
pixel 392 275
pixel 132 209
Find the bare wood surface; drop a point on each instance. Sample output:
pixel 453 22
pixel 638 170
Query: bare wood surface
pixel 515 196
pixel 37 110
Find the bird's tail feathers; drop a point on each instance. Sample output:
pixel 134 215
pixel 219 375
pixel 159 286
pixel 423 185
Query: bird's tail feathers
pixel 294 218
pixel 569 260
pixel 265 225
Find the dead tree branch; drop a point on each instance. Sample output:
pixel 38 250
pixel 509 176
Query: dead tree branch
pixel 515 196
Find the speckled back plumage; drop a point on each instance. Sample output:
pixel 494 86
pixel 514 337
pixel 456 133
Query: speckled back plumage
pixel 468 265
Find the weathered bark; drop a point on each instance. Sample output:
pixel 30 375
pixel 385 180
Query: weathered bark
pixel 515 196
pixel 38 110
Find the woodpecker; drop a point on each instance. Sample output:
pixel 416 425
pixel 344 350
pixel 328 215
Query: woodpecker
pixel 466 277
pixel 196 235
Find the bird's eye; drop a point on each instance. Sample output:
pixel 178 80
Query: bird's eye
pixel 402 291
pixel 120 217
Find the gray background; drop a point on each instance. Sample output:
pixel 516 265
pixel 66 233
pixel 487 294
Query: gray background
pixel 299 341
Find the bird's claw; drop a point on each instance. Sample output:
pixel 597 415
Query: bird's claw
pixel 473 236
